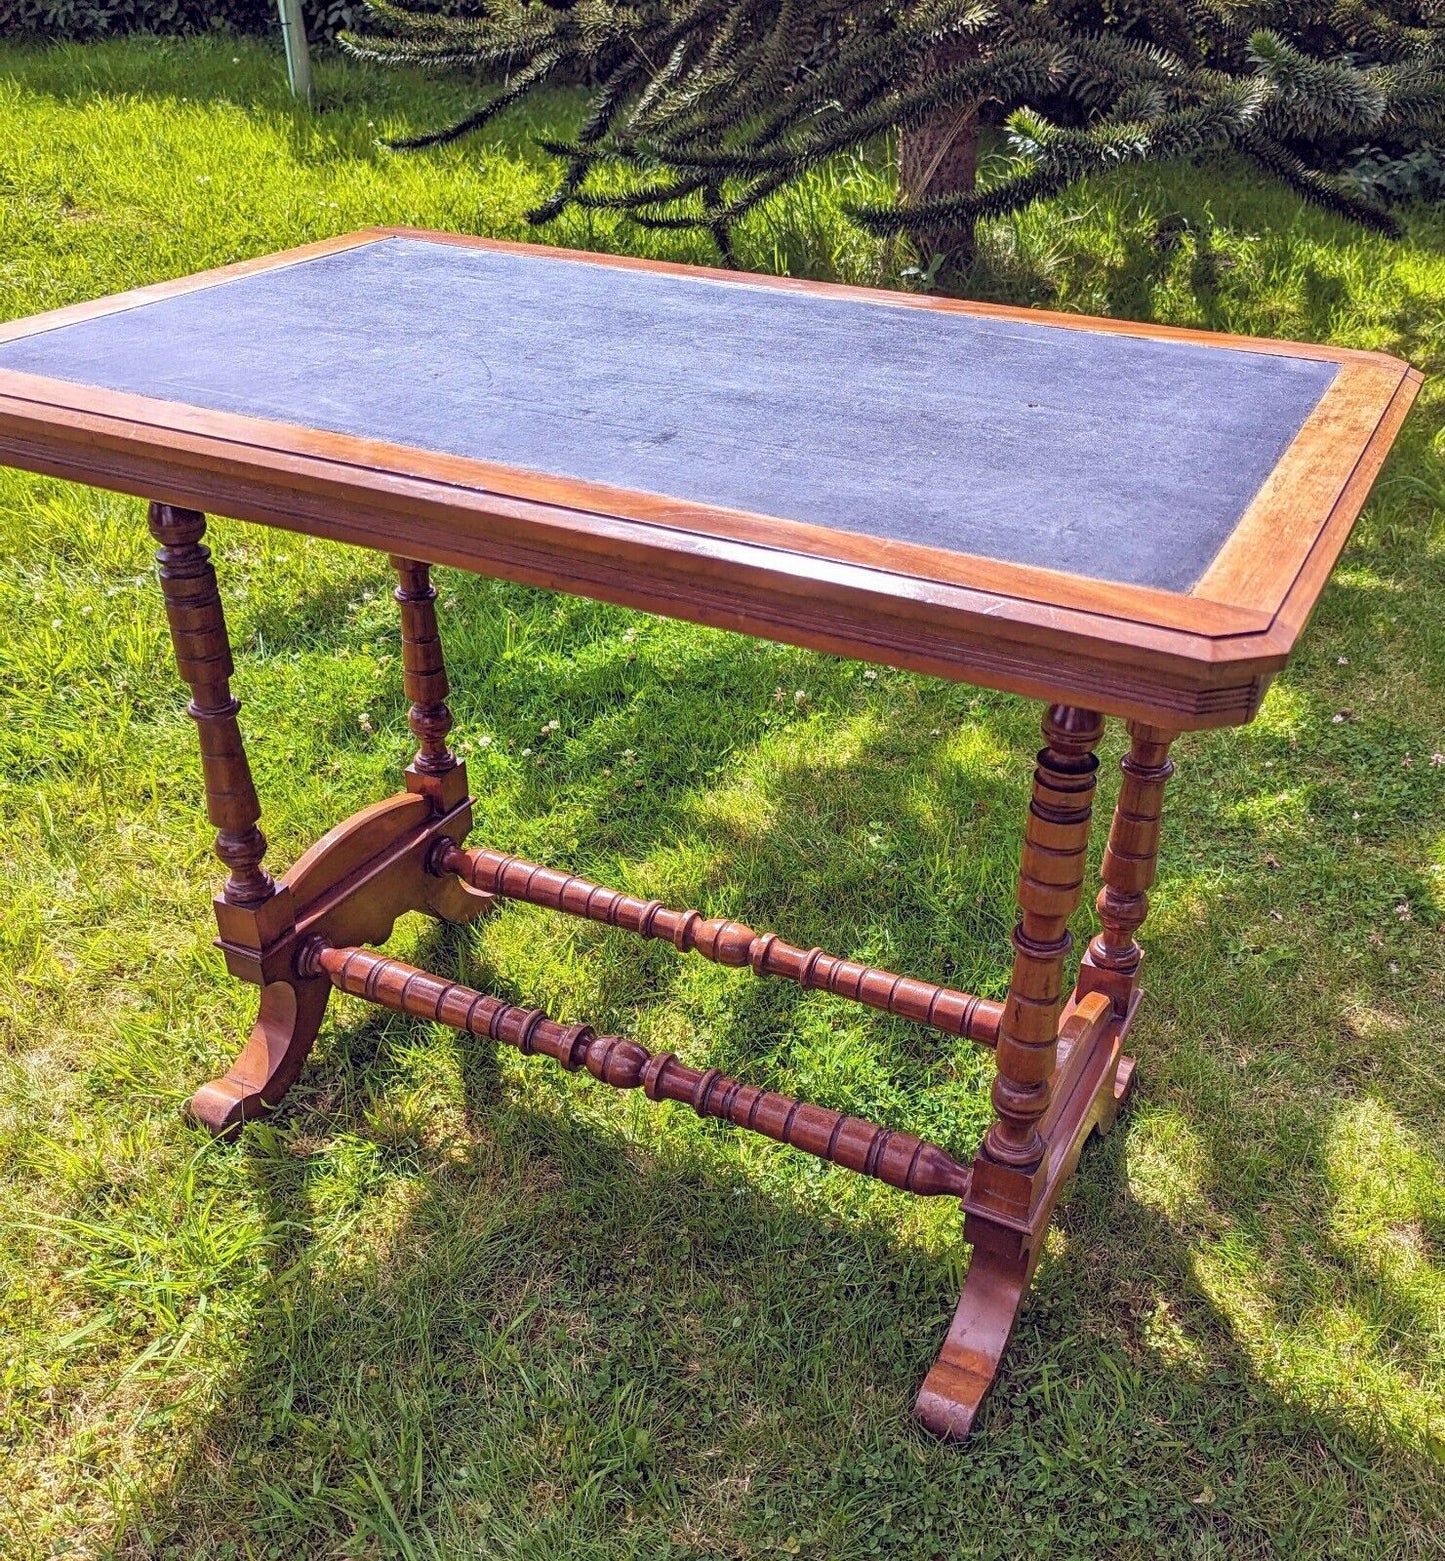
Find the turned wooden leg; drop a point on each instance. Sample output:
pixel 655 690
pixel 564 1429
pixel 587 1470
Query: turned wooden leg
pixel 1130 863
pixel 435 772
pixel 1111 965
pixel 203 658
pixel 424 677
pixel 254 915
pixel 1008 1184
pixel 1051 880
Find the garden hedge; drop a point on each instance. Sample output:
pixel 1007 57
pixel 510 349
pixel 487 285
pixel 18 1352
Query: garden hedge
pixel 83 19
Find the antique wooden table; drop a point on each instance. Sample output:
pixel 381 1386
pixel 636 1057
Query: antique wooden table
pixel 1112 518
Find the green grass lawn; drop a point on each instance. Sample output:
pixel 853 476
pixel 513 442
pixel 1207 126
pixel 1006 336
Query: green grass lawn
pixel 450 1304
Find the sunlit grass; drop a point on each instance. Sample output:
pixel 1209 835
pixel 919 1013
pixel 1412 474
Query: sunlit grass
pixel 455 1305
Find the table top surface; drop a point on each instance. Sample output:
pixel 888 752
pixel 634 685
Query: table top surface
pixel 1172 483
pixel 1117 457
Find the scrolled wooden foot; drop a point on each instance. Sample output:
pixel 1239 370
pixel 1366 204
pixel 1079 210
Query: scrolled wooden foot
pixel 953 1392
pixel 1112 1103
pixel 269 1062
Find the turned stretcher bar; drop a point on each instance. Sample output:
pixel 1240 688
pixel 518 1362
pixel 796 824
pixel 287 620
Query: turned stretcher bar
pixel 727 943
pixel 899 1159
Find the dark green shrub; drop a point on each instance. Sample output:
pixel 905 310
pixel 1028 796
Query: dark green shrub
pixel 707 107
pixel 1401 174
pixel 83 19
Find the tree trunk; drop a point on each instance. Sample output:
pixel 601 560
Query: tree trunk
pixel 939 157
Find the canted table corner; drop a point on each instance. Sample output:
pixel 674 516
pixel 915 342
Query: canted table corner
pixel 1113 518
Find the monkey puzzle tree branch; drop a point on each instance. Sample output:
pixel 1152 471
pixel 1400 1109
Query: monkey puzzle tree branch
pixel 713 106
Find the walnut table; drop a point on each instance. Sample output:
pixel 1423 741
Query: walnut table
pixel 1114 519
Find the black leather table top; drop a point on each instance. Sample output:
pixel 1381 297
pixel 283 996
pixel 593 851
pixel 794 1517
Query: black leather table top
pixel 1112 456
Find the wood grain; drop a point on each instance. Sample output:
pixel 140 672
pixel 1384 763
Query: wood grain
pixel 203 657
pixel 1131 857
pixel 1300 499
pixel 424 672
pixel 1051 878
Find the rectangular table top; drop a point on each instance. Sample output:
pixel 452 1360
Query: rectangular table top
pixel 1123 515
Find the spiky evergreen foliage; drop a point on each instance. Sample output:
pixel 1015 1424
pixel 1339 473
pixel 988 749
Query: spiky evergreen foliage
pixel 712 105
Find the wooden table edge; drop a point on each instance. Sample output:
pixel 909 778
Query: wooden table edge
pixel 268 439
pixel 1208 660
pixel 1314 574
pixel 1350 430
pixel 1129 669
pixel 1247 581
pixel 172 287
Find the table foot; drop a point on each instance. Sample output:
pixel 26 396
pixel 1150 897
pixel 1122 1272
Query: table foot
pixel 1113 1103
pixel 953 1392
pixel 269 1062
pixel 1093 1079
pixel 354 882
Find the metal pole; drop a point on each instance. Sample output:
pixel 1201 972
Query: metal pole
pixel 298 60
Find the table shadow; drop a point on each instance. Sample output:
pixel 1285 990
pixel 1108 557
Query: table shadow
pixel 577 1339
pixel 566 1332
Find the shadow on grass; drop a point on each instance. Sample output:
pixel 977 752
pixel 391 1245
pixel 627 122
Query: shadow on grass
pixel 565 1347
pixel 563 1326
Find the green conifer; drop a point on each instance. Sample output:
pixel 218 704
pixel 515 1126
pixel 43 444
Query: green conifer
pixel 713 105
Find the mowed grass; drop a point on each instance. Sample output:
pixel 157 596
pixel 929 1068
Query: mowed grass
pixel 451 1304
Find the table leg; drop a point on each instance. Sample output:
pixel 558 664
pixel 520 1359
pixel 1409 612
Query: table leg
pixel 424 670
pixel 1051 881
pixel 1111 964
pixel 253 911
pixel 435 772
pixel 203 658
pixel 1008 1195
pixel 1131 858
